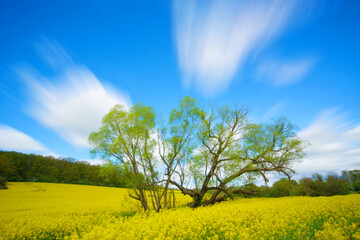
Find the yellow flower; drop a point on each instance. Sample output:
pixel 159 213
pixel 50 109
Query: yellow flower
pixel 85 212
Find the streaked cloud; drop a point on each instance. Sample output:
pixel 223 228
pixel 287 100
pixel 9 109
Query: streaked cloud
pixel 273 111
pixel 12 139
pixel 73 101
pixel 53 53
pixel 335 144
pixel 215 38
pixel 283 73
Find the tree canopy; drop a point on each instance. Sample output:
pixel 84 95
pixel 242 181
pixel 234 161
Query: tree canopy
pixel 20 167
pixel 201 152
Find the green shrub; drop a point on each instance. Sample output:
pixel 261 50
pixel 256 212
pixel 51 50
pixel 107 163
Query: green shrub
pixel 3 183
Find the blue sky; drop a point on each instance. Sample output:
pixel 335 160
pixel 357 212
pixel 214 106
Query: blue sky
pixel 64 64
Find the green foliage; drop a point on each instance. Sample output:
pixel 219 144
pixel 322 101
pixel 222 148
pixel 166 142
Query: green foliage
pixel 19 167
pixel 205 149
pixel 284 187
pixel 353 178
pixel 3 183
pixel 6 166
pixel 336 186
pixel 113 175
pixel 126 137
pixel 314 187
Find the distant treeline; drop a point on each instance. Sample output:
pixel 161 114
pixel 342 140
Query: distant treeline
pixel 20 167
pixel 317 185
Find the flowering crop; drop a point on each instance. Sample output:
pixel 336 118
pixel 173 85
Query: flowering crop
pixel 59 211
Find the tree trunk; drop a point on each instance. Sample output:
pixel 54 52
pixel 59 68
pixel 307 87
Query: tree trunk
pixel 174 199
pixel 197 200
pixel 165 194
pixel 143 200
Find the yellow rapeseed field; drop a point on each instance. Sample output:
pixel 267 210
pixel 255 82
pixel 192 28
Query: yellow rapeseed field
pixel 60 211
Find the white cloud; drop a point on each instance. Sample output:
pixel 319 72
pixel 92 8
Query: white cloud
pixel 335 144
pixel 72 102
pixel 282 73
pixel 273 111
pixel 94 161
pixel 53 53
pixel 14 140
pixel 214 38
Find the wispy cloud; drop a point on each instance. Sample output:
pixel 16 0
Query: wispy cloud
pixel 15 140
pixel 73 101
pixel 335 144
pixel 214 38
pixel 273 111
pixel 283 73
pixel 53 53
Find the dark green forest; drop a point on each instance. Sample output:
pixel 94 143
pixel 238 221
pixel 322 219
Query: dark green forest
pixel 20 167
pixel 317 185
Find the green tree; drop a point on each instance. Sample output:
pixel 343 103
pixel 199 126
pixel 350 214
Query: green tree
pixel 284 187
pixel 229 148
pixel 312 187
pixel 112 174
pixel 336 186
pixel 354 179
pixel 264 191
pixel 127 137
pixel 175 142
pixel 30 167
pixel 6 166
pixel 201 153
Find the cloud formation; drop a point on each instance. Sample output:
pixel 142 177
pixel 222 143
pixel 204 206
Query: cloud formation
pixel 273 111
pixel 15 140
pixel 282 73
pixel 214 38
pixel 73 102
pixel 335 144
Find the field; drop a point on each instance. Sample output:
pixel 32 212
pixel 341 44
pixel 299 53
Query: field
pixel 59 211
